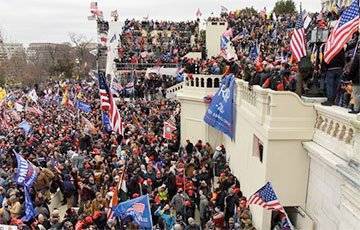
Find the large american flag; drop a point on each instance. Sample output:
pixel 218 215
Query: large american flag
pixel 108 104
pixel 266 198
pixel 297 42
pixel 343 31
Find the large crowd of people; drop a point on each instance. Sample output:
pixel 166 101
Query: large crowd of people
pixel 151 41
pixel 190 187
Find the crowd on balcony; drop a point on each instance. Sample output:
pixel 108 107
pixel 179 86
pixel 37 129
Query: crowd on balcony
pixel 151 41
pixel 263 57
pixel 190 187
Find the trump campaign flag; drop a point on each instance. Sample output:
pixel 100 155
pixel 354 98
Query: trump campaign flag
pixel 26 174
pixel 83 106
pixel 137 209
pixel 106 122
pixel 220 112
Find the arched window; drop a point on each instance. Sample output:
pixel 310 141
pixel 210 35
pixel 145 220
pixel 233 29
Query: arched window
pixel 209 83
pixel 202 82
pixel 197 82
pixel 216 83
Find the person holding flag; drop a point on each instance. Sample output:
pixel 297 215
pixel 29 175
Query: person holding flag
pixel 334 54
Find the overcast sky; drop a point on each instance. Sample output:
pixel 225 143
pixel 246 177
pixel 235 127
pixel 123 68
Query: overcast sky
pixel 52 20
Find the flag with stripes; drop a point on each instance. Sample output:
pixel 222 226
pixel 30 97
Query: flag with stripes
pixel 343 31
pixel 104 96
pixel 266 198
pixel 169 127
pixel 93 7
pixel 297 42
pixel 108 104
pixel 113 202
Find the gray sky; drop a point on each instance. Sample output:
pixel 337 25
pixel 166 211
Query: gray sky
pixel 52 20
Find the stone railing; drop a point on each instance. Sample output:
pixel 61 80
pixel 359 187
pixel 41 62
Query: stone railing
pixel 171 91
pixel 275 109
pixel 334 131
pixel 198 86
pixel 203 81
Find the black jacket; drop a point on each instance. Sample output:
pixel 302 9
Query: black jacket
pixel 338 61
pixel 354 70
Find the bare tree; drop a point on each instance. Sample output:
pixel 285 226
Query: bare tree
pixel 81 45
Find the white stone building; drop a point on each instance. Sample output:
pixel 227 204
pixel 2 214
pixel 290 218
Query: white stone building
pixel 310 153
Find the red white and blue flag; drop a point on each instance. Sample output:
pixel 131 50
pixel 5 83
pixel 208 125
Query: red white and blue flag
pixel 108 104
pixel 266 198
pixel 298 43
pixel 343 31
pixel 225 40
pixel 169 127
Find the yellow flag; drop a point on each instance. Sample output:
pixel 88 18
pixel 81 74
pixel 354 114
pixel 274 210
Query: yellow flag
pixel 2 94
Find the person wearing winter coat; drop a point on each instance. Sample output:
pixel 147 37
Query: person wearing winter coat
pixel 178 201
pixel 355 79
pixel 203 207
pixel 166 216
pixel 192 225
pixel 231 201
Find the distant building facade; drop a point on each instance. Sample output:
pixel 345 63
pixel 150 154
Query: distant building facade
pixel 8 50
pixel 41 52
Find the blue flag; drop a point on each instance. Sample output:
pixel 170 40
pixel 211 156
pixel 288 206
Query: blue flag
pixel 220 112
pixel 25 126
pixel 254 53
pixel 26 174
pixel 83 106
pixel 30 211
pixel 138 210
pixel 106 122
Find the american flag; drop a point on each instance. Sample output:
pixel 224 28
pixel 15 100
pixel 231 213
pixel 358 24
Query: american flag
pixel 266 198
pixel 297 43
pixel 113 202
pixel 107 103
pixel 342 33
pixel 104 96
pixel 93 7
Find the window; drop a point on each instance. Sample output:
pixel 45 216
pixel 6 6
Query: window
pixel 258 148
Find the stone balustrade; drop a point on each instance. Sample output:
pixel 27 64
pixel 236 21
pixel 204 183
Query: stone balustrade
pixel 171 91
pixel 203 81
pixel 334 131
